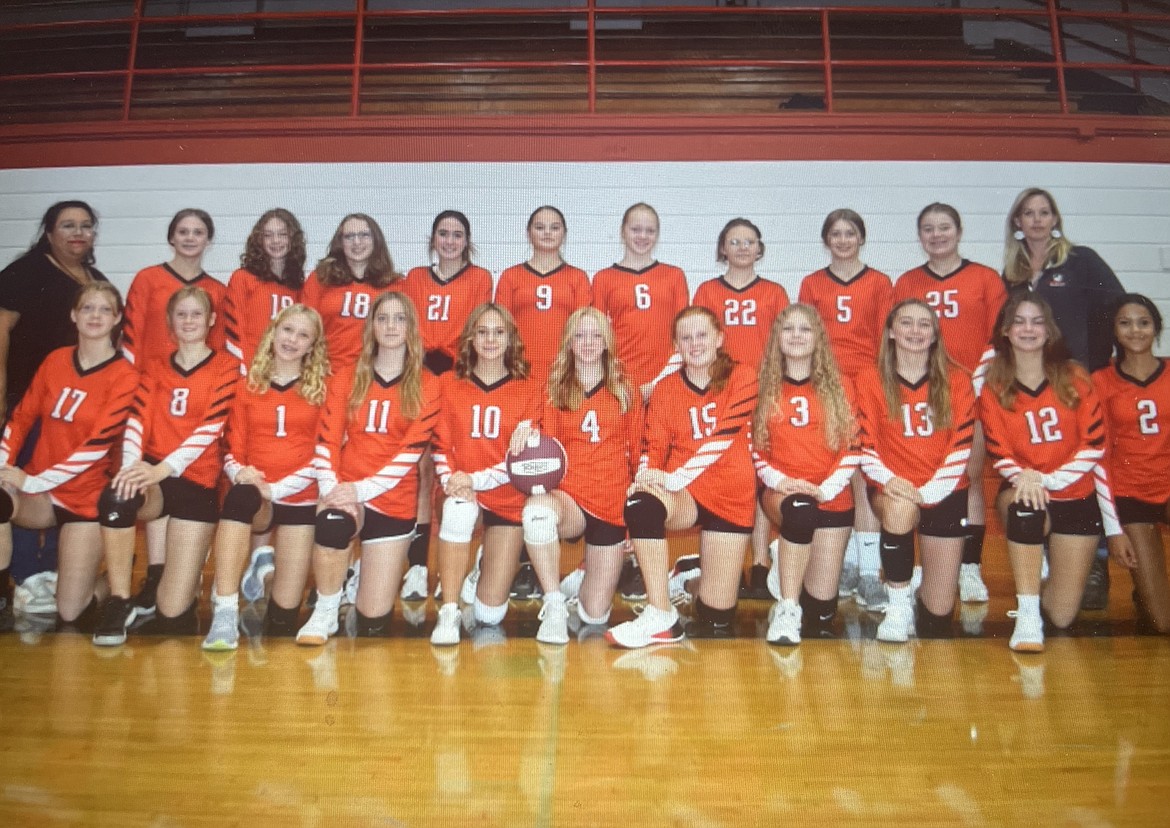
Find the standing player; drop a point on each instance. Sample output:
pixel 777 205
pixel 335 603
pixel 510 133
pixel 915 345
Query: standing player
pixel 917 414
pixel 540 294
pixel 346 282
pixel 967 298
pixel 378 422
pixel 594 412
pixel 806 453
pixel 853 299
pixel 1045 428
pixel 147 340
pixel 484 399
pixel 1135 395
pixel 271 435
pixel 694 470
pixel 269 279
pixel 746 305
pixel 444 294
pixel 81 396
pixel 641 297
pixel 171 463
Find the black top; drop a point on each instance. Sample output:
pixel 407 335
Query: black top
pixel 1081 292
pixel 43 296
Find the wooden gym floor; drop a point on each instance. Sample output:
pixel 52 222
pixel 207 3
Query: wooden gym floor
pixel 502 730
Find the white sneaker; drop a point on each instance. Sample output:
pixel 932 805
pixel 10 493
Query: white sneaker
pixel 554 621
pixel 414 585
pixel 225 630
pixel 571 583
pixel 414 613
pixel 446 631
pixel 261 563
pixel 784 627
pixel 471 582
pixel 1028 636
pixel 352 581
pixel 686 568
pixel 898 625
pixel 850 580
pixel 871 593
pixel 972 590
pixel 653 626
pixel 774 580
pixel 916 579
pixel 321 624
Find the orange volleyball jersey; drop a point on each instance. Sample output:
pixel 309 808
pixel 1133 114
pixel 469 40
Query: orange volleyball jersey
pixel 1043 434
pixel 600 442
pixel 798 448
pixel 473 431
pixel 700 438
pixel 641 305
pixel 375 446
pixel 912 447
pixel 967 302
pixel 343 309
pixel 178 417
pixel 1137 420
pixel 746 313
pixel 82 414
pixel 146 334
pixel 541 304
pixel 250 304
pixel 854 313
pixel 444 306
pixel 276 432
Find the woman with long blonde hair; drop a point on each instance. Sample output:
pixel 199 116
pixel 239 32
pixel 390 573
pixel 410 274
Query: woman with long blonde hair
pixel 917 414
pixel 378 420
pixel 806 452
pixel 271 439
pixel 594 412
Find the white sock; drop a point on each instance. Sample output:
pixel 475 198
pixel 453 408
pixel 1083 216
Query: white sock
pixel 225 602
pixel 329 602
pixel 869 553
pixel 900 595
pixel 1028 604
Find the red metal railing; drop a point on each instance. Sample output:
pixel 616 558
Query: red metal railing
pixel 1046 15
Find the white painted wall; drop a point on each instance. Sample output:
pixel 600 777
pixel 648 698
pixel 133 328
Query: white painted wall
pixel 1121 210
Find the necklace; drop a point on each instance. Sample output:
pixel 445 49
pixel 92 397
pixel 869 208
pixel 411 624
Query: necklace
pixel 82 278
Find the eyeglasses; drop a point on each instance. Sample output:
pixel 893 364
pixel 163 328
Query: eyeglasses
pixel 364 235
pixel 70 228
pixel 747 243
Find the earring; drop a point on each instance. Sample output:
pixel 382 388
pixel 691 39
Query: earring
pixel 1056 234
pixel 1018 235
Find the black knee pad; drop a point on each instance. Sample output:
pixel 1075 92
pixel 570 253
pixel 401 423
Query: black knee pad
pixel 929 625
pixel 897 556
pixel 335 529
pixel 7 506
pixel 798 518
pixel 367 627
pixel 817 610
pixel 973 544
pixel 645 516
pixel 1025 524
pixel 280 622
pixel 117 513
pixel 241 503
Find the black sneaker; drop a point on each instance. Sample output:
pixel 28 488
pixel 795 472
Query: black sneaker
pixel 146 601
pixel 117 615
pixel 702 628
pixel 756 587
pixel 1096 595
pixel 525 587
pixel 631 584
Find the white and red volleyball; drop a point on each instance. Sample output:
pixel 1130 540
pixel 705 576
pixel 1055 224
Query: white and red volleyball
pixel 540 466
